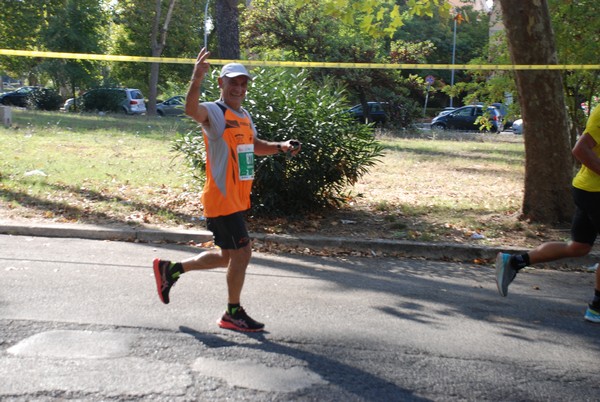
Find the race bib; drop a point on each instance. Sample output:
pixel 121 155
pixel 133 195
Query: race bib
pixel 246 161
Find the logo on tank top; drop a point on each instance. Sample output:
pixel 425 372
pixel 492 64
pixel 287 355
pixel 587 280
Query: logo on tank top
pixel 232 124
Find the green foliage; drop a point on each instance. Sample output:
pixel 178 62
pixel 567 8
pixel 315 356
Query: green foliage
pixel 20 25
pixel 78 28
pixel 46 99
pixel 172 87
pixel 300 32
pixel 191 146
pixel 472 37
pixel 132 31
pixel 336 151
pixel 410 52
pixel 577 42
pixel 103 99
pixel 378 18
pixel 54 25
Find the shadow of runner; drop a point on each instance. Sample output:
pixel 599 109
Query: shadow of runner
pixel 351 379
pixel 426 291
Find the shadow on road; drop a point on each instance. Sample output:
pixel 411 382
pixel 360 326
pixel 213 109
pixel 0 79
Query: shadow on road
pixel 350 379
pixel 462 290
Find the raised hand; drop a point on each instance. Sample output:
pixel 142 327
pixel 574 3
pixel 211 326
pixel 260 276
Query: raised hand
pixel 202 66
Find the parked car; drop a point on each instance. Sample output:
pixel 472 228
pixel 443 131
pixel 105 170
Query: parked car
pixel 19 97
pixel 70 104
pixel 376 110
pixel 465 118
pixel 35 97
pixel 174 106
pixel 446 110
pixel 118 100
pixel 517 126
pixel 504 112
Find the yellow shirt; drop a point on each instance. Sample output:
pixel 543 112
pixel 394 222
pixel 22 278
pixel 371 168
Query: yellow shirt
pixel 586 179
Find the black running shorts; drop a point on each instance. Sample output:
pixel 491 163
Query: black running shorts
pixel 586 221
pixel 229 232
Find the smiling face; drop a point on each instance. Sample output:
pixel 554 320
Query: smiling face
pixel 233 90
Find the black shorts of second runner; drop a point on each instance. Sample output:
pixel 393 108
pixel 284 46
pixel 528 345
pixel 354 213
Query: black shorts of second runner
pixel 586 220
pixel 229 231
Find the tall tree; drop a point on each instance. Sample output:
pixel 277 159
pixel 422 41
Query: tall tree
pixel 134 21
pixel 158 41
pixel 548 161
pixel 228 31
pixel 78 28
pixel 528 26
pixel 20 25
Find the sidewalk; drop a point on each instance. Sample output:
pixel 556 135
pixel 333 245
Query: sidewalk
pixel 402 248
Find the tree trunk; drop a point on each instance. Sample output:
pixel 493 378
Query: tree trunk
pixel 158 42
pixel 548 160
pixel 228 29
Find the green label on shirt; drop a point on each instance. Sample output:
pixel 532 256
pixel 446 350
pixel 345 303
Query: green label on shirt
pixel 246 161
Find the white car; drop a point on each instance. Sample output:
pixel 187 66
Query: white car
pixel 69 105
pixel 517 126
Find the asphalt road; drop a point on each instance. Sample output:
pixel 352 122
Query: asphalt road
pixel 80 319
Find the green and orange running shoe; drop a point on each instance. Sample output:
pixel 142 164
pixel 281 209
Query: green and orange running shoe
pixel 240 321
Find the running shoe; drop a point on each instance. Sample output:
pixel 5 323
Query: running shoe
pixel 164 280
pixel 505 273
pixel 592 315
pixel 240 321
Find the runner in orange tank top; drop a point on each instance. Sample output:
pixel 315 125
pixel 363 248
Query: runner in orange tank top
pixel 231 144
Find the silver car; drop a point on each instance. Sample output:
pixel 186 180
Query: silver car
pixel 118 100
pixel 174 106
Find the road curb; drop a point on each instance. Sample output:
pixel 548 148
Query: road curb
pixel 399 248
pixel 98 232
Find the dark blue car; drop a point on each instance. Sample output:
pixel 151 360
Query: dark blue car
pixel 19 97
pixel 465 118
pixel 376 112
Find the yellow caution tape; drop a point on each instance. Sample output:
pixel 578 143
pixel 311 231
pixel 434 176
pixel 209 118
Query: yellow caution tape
pixel 302 64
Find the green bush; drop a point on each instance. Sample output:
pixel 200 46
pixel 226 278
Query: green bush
pixel 45 99
pixel 103 100
pixel 336 150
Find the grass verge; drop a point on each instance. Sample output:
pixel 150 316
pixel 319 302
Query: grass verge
pixel 112 170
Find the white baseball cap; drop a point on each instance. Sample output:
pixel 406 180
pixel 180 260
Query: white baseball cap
pixel 234 70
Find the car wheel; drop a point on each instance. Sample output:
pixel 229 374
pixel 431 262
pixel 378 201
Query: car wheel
pixel 160 113
pixel 438 126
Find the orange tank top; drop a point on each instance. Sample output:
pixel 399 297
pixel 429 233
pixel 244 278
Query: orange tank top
pixel 229 167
